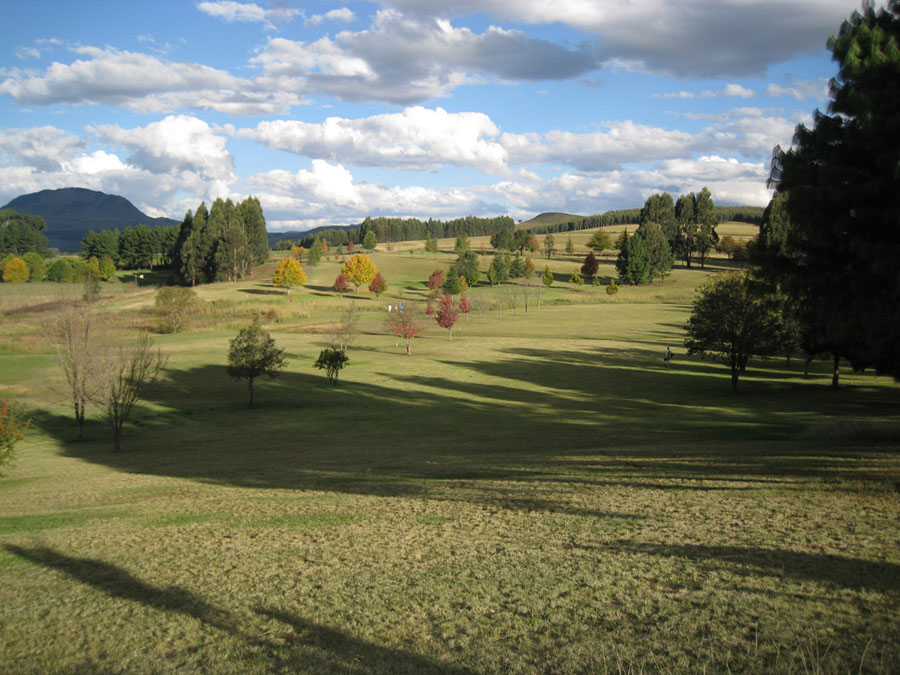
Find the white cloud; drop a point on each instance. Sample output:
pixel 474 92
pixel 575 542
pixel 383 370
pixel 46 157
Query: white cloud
pixel 142 83
pixel 247 12
pixel 342 15
pixel 41 147
pixel 802 90
pixel 618 144
pixel 175 143
pixel 402 61
pixel 728 90
pixel 328 193
pixel 416 139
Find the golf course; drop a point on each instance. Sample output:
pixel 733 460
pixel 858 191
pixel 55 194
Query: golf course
pixel 536 493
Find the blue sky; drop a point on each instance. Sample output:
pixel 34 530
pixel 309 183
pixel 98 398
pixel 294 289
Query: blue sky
pixel 332 111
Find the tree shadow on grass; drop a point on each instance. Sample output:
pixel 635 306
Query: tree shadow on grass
pixel 116 582
pixel 601 416
pixel 339 652
pixel 839 571
pixel 313 646
pixel 260 291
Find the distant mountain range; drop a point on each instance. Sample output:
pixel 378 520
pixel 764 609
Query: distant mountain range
pixel 71 212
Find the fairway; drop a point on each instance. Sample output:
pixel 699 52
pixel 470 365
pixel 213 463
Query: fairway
pixel 537 494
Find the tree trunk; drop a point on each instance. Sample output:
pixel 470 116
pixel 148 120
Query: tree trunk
pixel 117 437
pixel 835 376
pixel 79 419
pixel 734 379
pixel 250 387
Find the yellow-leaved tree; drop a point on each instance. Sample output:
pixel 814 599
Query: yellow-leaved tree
pixel 359 270
pixel 16 271
pixel 288 274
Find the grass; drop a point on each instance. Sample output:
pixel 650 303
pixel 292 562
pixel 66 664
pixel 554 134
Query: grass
pixel 538 494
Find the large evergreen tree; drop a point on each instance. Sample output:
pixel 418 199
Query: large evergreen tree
pixel 659 255
pixel 633 263
pixel 660 209
pixel 686 237
pixel 839 183
pixel 706 237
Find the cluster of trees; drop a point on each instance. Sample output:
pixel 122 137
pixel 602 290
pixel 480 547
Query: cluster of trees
pixel 101 372
pixel 22 233
pixel 222 244
pixel 829 240
pixel 139 247
pixel 824 274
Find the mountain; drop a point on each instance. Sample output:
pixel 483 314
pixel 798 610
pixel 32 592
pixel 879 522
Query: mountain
pixel 71 212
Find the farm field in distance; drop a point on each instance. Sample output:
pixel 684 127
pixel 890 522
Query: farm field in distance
pixel 538 494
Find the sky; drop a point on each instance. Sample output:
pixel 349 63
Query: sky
pixel 333 111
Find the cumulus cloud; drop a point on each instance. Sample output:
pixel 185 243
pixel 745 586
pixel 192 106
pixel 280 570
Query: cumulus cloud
pixel 693 38
pixel 175 143
pixel 43 148
pixel 416 139
pixel 618 144
pixel 403 61
pixel 327 193
pixel 141 83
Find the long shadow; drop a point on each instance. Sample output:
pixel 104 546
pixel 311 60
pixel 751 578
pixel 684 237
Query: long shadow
pixel 540 415
pixel 314 646
pixel 851 573
pixel 116 582
pixel 339 652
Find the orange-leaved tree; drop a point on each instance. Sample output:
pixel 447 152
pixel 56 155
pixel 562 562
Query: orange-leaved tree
pixel 359 270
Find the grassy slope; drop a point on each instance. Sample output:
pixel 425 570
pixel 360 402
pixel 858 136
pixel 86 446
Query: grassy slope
pixel 538 493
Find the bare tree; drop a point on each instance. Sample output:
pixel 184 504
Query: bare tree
pixel 78 356
pixel 344 329
pixel 128 369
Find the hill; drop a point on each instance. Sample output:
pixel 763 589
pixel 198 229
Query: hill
pixel 543 219
pixel 71 212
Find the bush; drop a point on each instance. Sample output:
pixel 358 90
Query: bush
pixel 612 288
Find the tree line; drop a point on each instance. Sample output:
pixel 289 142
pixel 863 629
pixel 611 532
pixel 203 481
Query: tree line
pixel 138 247
pixel 391 230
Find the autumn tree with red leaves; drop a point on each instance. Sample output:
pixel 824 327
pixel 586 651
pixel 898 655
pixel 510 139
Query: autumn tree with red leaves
pixel 436 280
pixel 447 314
pixel 341 284
pixel 406 324
pixel 378 285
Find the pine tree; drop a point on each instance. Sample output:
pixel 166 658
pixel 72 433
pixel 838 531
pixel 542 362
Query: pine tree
pixel 255 229
pixel 633 263
pixel 658 252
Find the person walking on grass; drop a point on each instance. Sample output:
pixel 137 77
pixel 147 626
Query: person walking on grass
pixel 667 357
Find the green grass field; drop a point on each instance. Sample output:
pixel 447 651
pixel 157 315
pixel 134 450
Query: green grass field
pixel 537 495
